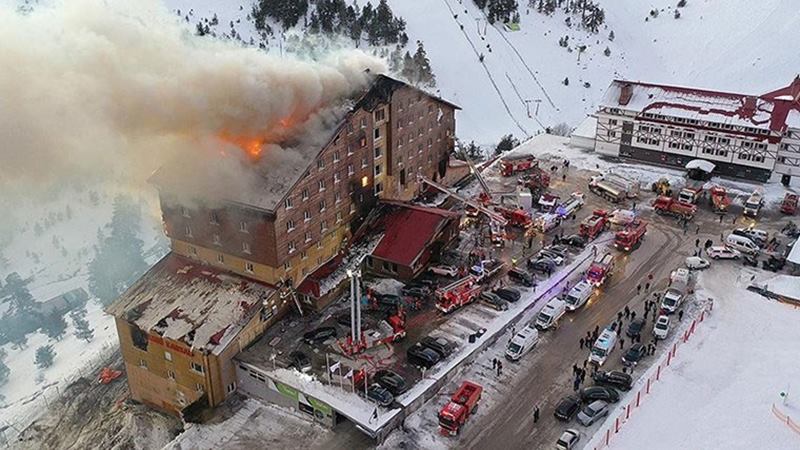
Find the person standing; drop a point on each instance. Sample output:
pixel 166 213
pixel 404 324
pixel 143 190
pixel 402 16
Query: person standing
pixel 633 316
pixel 638 289
pixel 680 315
pixel 581 343
pixel 621 343
pixel 647 287
pixel 536 414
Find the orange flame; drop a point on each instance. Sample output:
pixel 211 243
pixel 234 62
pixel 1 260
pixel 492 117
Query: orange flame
pixel 254 146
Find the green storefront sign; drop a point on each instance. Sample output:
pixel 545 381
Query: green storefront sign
pixel 294 394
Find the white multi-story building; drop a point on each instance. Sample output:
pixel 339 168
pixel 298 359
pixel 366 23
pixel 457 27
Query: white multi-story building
pixel 744 136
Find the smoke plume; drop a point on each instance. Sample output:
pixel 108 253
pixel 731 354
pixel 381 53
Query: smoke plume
pixel 117 88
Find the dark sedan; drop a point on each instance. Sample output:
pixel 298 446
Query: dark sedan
pixel 619 380
pixel 522 277
pixel 300 361
pixel 440 345
pixel 421 356
pixel 493 301
pixel 321 334
pixel 634 354
pixel 508 294
pixel 567 407
pixel 393 382
pixel 380 395
pixel 635 327
pixel 605 393
pixel 543 265
pixel 574 240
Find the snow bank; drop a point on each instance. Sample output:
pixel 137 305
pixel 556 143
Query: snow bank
pixel 719 391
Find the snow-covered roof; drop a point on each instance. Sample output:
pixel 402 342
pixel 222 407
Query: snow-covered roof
pixel 701 164
pixel 770 111
pixel 186 301
pixel 785 285
pixel 587 128
pixel 794 253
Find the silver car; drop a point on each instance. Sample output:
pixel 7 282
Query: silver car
pixel 568 440
pixel 593 412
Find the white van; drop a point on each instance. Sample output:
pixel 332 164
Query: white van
pixel 680 277
pixel 673 298
pixel 524 341
pixel 578 295
pixel 550 314
pixel 741 243
pixel 603 346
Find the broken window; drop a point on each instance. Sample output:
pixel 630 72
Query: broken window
pixel 139 338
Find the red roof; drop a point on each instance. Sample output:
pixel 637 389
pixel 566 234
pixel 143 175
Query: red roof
pixel 408 230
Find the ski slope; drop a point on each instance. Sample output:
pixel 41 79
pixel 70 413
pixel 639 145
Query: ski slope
pixel 725 380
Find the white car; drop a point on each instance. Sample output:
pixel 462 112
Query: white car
pixel 447 271
pixel 697 263
pixel 723 253
pixel 661 327
pixel 568 440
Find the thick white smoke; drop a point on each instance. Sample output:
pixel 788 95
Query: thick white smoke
pixel 116 88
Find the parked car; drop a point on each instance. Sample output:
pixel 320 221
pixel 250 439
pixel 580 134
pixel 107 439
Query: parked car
pixel 493 301
pixel 568 440
pixel 380 395
pixel 574 240
pixel 661 327
pixel 447 271
pixel 393 382
pixel 718 252
pixel 542 265
pixel 615 379
pixel 635 327
pixel 759 237
pixel 593 412
pixel 390 300
pixel 421 356
pixel 521 276
pixel 438 344
pixel 697 263
pixel 300 361
pixel 508 294
pixel 634 354
pixel 567 407
pixel 750 260
pixel 547 254
pixel 320 334
pixel 561 250
pixel 605 393
pixel 415 291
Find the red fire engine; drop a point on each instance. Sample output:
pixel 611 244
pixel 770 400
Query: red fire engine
pixel 600 270
pixel 592 226
pixel 672 207
pixel 457 294
pixel 454 414
pixel 510 165
pixel 719 199
pixel 630 238
pixel 789 204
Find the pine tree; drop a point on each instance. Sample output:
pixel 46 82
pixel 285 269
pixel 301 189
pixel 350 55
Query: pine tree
pixel 425 75
pixel 607 51
pixel 506 143
pixel 409 71
pixel 611 36
pixel 44 356
pixel 17 289
pixel 82 328
pixel 677 14
pixel 681 3
pixel 566 81
pixel 54 326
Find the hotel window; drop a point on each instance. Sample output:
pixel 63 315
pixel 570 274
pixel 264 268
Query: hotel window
pixel 336 177
pixel 323 226
pixel 171 375
pixel 320 164
pixel 304 255
pixel 338 216
pixel 430 143
pixel 216 239
pixel 168 356
pixel 322 205
pixel 378 152
pixel 421 130
pixel 306 216
pixel 143 364
pixel 376 134
pixel 336 156
pixel 350 169
pixel 363 122
pixel 188 231
pixel 308 236
pixel 289 225
pixel 292 247
pixel 363 141
pixel 364 162
pixel 377 169
pixel 305 194
pixel 337 197
pixel 220 258
pixel 199 387
pixel 378 188
pixel 419 149
pixel 243 226
pixel 185 212
pixel 287 265
pixel 248 266
pixel 321 185
pixel 214 218
pixel 197 367
pixel 352 208
pixel 246 247
pixel 349 149
pixel 379 115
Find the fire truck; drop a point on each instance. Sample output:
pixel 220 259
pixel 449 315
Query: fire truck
pixel 454 414
pixel 630 238
pixel 672 207
pixel 592 226
pixel 600 270
pixel 513 164
pixel 789 204
pixel 719 199
pixel 457 294
pixel 690 194
pixel 607 189
pixel 517 217
pixel 546 222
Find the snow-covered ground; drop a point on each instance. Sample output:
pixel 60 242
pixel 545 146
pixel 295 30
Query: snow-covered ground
pixel 54 270
pixel 719 391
